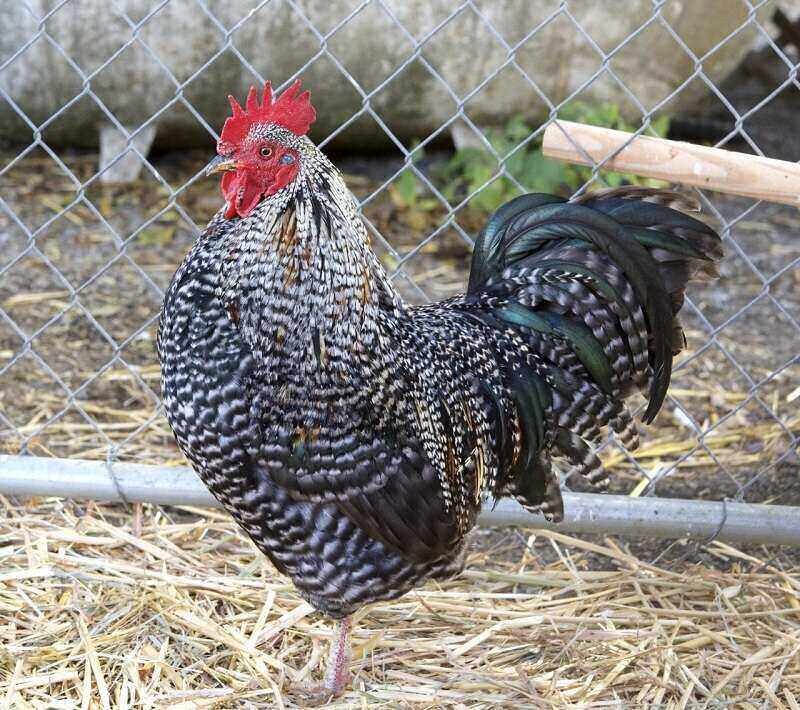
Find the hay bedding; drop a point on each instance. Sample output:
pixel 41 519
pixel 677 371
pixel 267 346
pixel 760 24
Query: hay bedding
pixel 100 608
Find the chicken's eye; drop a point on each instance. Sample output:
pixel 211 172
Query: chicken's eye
pixel 265 151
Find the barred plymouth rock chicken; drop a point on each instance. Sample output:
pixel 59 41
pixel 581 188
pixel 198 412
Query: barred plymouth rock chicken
pixel 354 436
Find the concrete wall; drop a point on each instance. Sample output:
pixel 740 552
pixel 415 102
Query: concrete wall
pixel 277 42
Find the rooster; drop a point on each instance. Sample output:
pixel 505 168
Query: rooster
pixel 353 436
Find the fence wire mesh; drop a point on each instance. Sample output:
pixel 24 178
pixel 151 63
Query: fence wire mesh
pixel 84 263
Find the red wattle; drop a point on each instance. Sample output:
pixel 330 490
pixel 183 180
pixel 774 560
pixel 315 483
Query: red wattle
pixel 241 194
pixel 249 197
pixel 244 188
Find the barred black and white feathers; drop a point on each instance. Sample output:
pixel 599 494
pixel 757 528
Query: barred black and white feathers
pixel 592 287
pixel 354 437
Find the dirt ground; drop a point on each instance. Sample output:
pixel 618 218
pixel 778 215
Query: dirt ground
pixel 172 608
pixel 89 291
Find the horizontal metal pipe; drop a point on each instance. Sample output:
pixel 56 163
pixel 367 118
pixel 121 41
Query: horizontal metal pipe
pixel 25 476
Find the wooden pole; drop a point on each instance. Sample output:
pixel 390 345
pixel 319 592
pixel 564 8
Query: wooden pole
pixel 675 161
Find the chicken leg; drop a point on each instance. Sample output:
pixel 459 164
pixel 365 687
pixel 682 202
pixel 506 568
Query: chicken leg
pixel 337 671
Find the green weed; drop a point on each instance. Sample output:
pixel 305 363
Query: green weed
pixel 468 171
pixel 470 168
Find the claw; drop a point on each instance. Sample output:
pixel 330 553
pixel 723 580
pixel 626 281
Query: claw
pixel 314 695
pixel 337 673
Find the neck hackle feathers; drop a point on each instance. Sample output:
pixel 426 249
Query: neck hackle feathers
pixel 291 110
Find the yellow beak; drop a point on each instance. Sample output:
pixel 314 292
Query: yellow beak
pixel 220 164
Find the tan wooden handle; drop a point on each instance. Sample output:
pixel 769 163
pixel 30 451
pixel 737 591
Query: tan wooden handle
pixel 675 161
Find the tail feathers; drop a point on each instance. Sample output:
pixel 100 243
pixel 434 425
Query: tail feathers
pixel 539 491
pixel 580 457
pixel 657 219
pixel 625 429
pixel 683 248
pixel 551 225
pixel 590 290
pixel 672 199
pixel 487 253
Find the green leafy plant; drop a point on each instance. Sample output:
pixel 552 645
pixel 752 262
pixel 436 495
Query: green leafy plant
pixel 407 193
pixel 470 168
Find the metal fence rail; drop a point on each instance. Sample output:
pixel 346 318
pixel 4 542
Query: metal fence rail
pixel 764 398
pixel 584 512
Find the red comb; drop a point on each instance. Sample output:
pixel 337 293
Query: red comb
pixel 289 110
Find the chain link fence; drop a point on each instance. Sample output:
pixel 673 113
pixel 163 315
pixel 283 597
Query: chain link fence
pixel 84 262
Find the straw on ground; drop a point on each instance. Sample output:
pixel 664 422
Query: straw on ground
pixel 188 615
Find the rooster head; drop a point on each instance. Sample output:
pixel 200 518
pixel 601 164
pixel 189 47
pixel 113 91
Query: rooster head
pixel 257 149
